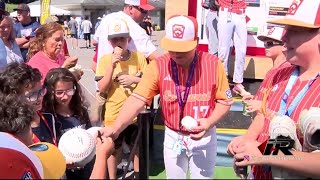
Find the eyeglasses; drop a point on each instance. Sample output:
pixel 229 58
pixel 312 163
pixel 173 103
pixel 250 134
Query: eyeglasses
pixel 272 43
pixel 34 96
pixel 61 93
pixel 143 11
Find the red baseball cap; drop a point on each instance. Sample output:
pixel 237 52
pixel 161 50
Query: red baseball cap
pixel 301 13
pixel 141 3
pixel 181 34
pixel 39 161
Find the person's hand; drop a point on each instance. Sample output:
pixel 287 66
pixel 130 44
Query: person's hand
pixel 77 74
pixel 70 62
pixel 104 147
pixel 125 80
pixel 236 142
pixel 248 153
pixel 108 131
pixel 115 58
pixel 247 97
pixel 253 106
pixel 202 128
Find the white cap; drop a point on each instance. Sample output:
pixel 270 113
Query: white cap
pixel 181 34
pixel 99 18
pixel 141 3
pixel 118 28
pixel 302 13
pixel 275 33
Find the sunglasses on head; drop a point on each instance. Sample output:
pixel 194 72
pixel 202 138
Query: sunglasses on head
pixel 34 96
pixel 2 15
pixel 143 11
pixel 272 43
pixel 61 93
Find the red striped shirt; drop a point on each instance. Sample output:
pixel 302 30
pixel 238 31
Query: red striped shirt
pixel 236 4
pixel 279 82
pixel 203 91
pixel 268 77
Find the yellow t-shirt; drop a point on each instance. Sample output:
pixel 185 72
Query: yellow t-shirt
pixel 117 94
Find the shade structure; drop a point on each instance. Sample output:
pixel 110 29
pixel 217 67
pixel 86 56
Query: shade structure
pixel 35 11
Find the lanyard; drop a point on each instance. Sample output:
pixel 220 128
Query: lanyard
pixel 284 110
pixel 182 102
pixel 36 139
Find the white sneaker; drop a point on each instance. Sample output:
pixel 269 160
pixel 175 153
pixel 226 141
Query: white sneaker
pixel 284 126
pixel 310 128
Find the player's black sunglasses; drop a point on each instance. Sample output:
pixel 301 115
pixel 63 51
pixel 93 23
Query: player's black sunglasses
pixel 143 11
pixel 272 43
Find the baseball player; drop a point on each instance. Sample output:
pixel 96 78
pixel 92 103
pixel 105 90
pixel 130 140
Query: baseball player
pixel 187 88
pixel 212 25
pixel 232 26
pixel 293 90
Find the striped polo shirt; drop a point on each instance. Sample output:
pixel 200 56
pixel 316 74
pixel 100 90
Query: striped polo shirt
pixel 274 95
pixel 209 84
pixel 236 4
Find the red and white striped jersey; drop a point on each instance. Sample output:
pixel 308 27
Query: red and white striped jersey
pixel 208 85
pixel 236 4
pixel 275 93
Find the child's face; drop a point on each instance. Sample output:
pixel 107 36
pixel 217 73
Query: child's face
pixel 120 41
pixel 34 95
pixel 64 90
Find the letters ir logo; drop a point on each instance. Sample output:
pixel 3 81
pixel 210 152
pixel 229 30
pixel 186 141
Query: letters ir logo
pixel 294 7
pixel 178 31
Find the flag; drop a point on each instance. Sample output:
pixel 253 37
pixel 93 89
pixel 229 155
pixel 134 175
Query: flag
pixel 45 10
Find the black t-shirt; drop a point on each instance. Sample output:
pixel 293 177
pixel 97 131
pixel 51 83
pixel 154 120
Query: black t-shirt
pixel 64 124
pixel 43 133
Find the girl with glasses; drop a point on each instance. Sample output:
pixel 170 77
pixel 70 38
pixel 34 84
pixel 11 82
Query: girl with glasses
pixel 65 101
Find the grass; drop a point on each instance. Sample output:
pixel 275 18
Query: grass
pixel 158 172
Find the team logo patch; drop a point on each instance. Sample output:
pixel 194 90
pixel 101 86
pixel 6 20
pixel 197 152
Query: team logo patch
pixel 294 7
pixel 228 93
pixel 27 175
pixel 178 31
pixel 117 28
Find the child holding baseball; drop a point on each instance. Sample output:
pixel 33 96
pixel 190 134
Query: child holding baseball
pixel 117 75
pixel 65 101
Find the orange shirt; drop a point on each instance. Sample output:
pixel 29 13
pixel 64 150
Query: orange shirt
pixel 208 85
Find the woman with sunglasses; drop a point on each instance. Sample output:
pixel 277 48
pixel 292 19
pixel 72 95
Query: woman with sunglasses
pixel 65 101
pixel 22 79
pixel 9 49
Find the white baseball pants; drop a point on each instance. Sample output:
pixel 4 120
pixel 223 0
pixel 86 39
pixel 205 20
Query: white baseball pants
pixel 232 26
pixel 199 158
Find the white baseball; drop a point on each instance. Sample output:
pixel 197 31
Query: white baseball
pixel 78 146
pixel 94 131
pixel 189 123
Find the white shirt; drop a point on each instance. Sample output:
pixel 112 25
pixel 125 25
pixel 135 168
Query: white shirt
pixel 86 26
pixel 140 41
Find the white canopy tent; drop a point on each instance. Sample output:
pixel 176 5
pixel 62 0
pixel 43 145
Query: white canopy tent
pixel 35 11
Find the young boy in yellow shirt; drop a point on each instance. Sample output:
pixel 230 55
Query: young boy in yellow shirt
pixel 117 75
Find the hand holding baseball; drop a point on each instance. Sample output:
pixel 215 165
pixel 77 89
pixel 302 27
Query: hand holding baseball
pixel 104 147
